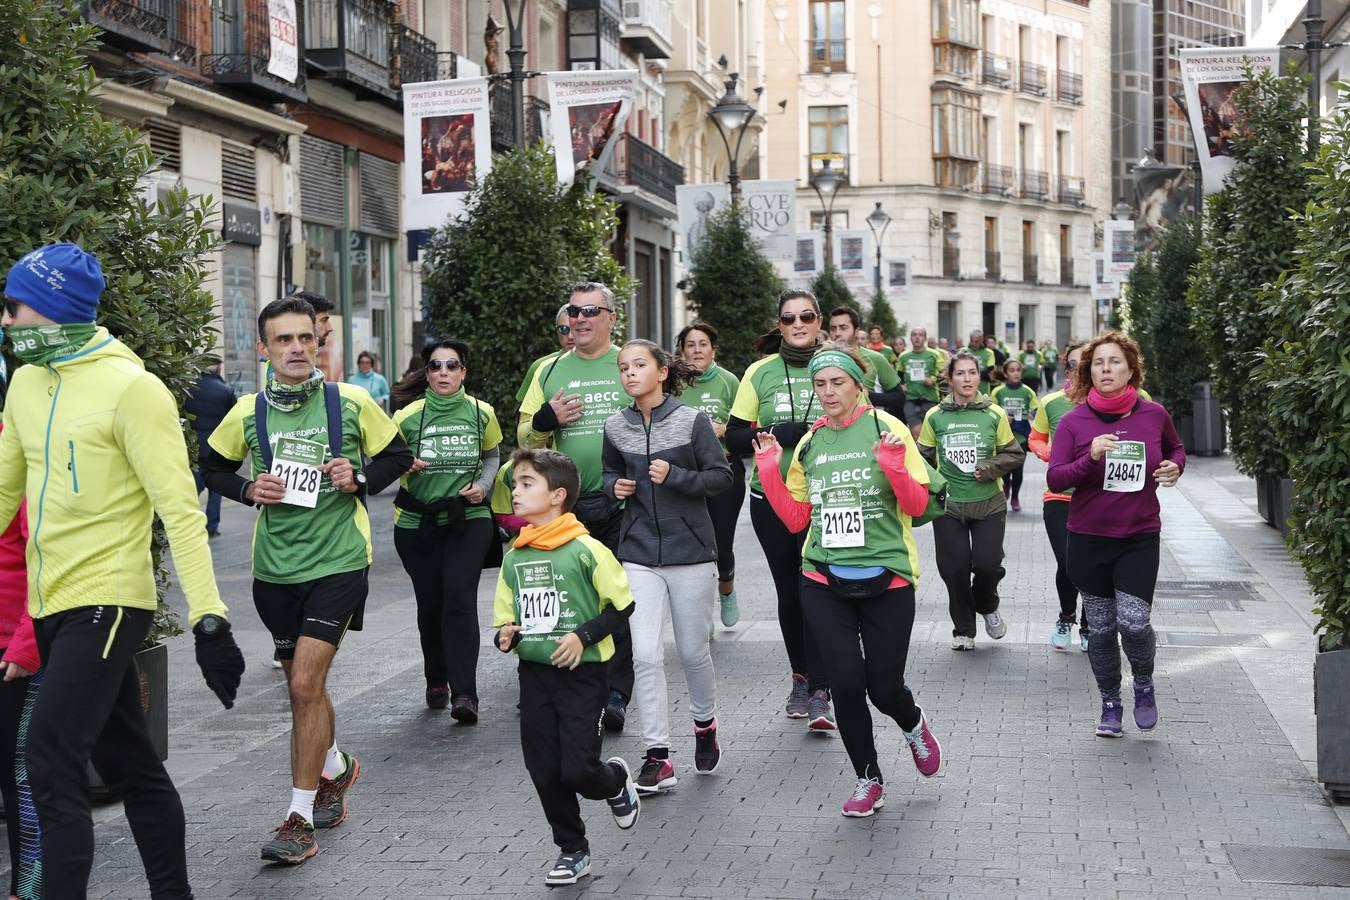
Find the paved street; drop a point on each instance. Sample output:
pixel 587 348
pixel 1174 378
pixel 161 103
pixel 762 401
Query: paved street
pixel 1029 803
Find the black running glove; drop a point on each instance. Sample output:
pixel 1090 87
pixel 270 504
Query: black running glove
pixel 221 662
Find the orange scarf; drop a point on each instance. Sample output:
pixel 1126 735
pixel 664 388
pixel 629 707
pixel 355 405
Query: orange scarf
pixel 552 535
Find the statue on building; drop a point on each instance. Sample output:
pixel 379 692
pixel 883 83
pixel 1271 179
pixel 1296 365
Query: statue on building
pixel 491 42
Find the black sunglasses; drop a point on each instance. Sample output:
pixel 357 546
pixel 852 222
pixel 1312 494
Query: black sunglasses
pixel 450 365
pixel 1070 365
pixel 590 311
pixel 564 329
pixel 11 308
pixel 807 317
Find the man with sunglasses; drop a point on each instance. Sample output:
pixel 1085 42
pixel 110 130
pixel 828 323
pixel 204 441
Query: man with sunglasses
pixel 94 441
pixel 566 406
pixel 564 332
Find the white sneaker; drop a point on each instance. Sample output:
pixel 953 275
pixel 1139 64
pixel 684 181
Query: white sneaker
pixel 994 626
pixel 961 642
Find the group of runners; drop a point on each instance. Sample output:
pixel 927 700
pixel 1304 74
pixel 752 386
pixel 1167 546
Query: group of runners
pixel 620 507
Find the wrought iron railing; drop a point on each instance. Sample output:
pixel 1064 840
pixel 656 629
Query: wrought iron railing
pixel 414 55
pixel 996 70
pixel 1035 184
pixel 1066 271
pixel 1032 79
pixel 997 179
pixel 951 262
pixel 1069 87
pixel 1031 268
pixel 643 166
pixel 1071 189
pixel 993 265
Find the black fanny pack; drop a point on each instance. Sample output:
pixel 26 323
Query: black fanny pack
pixel 596 509
pixel 431 512
pixel 858 588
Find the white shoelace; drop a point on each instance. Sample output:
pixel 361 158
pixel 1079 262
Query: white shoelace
pixel 915 739
pixel 864 788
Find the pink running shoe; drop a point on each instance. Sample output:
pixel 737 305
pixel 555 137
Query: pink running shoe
pixel 926 749
pixel 868 797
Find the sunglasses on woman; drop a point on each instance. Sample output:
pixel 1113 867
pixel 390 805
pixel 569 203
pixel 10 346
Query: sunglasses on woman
pixel 807 317
pixel 450 365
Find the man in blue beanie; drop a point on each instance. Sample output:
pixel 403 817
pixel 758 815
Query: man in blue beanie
pixel 93 440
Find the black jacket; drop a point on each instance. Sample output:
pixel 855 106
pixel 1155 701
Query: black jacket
pixel 208 403
pixel 666 524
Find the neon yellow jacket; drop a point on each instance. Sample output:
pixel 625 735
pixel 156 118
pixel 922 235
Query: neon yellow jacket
pixel 94 441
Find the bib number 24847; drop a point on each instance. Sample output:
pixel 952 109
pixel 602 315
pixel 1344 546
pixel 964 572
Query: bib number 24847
pixel 1125 468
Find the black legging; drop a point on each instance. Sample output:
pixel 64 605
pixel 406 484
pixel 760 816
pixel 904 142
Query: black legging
pixel 1117 577
pixel 1056 516
pixel 725 510
pixel 783 552
pixel 20 817
pixel 444 568
pixel 969 559
pixel 1012 481
pixel 876 669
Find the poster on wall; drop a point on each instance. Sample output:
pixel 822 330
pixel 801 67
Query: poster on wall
pixel 447 147
pixel 1210 76
pixel 284 61
pixel 851 257
pixel 695 205
pixel 807 260
pixel 1103 286
pixel 899 275
pixel 1118 238
pixel 587 113
pixel 771 208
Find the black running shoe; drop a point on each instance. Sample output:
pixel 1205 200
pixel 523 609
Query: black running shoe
pixel 464 710
pixel 330 803
pixel 707 752
pixel 294 842
pixel 616 712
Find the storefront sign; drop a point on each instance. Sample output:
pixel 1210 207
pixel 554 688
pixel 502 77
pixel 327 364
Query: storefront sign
pixel 241 224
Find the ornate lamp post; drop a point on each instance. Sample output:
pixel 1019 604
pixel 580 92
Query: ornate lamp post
pixel 515 23
pixel 826 185
pixel 732 115
pixel 878 221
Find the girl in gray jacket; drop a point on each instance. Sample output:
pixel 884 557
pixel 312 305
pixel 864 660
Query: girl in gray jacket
pixel 663 459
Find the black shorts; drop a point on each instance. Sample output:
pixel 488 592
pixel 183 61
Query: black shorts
pixel 916 410
pixel 324 609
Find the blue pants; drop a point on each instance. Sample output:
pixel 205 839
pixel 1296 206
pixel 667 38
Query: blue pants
pixel 212 504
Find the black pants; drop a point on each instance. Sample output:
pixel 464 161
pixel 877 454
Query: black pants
pixel 1012 482
pixel 1031 381
pixel 444 568
pixel 875 668
pixel 725 510
pixel 1117 577
pixel 970 561
pixel 783 552
pixel 621 663
pixel 1048 374
pixel 560 713
pixel 1056 516
pixel 90 707
pixel 17 698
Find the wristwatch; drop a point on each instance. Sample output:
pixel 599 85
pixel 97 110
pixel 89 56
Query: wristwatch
pixel 210 625
pixel 360 480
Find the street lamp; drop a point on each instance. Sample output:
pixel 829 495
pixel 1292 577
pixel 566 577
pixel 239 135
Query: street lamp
pixel 732 114
pixel 826 185
pixel 515 23
pixel 878 221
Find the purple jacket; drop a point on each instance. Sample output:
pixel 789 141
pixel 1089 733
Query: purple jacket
pixel 1095 510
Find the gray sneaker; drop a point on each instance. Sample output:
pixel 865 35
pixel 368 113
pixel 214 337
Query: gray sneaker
pixel 797 704
pixel 822 719
pixel 994 626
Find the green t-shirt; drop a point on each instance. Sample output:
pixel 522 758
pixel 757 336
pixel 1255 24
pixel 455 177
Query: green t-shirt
pixel 772 392
pixel 1052 408
pixel 602 395
pixel 988 360
pixel 883 371
pixel 449 434
pixel 1030 360
pixel 886 352
pixel 1050 358
pixel 1020 404
pixel 529 375
pixel 713 394
pixel 292 544
pixel 558 591
pixel 965 438
pixel 915 366
pixel 855 517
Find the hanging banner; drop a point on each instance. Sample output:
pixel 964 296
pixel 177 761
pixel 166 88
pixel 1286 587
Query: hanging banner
pixel 771 209
pixel 1103 288
pixel 446 127
pixel 284 61
pixel 695 205
pixel 587 112
pixel 1162 194
pixel 1118 238
pixel 899 277
pixel 852 259
pixel 1210 77
pixel 808 259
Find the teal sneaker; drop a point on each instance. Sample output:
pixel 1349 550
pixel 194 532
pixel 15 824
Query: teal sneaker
pixel 1062 635
pixel 731 613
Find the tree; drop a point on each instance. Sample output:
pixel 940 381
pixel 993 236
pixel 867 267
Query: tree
pixel 1248 240
pixel 882 316
pixel 68 174
pixel 1175 364
pixel 1304 367
pixel 1135 309
pixel 832 292
pixel 495 276
pixel 733 286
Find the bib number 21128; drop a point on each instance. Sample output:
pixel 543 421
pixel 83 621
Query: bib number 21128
pixel 297 462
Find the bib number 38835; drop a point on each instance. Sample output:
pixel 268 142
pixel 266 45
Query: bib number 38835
pixel 1125 468
pixel 296 461
pixel 962 451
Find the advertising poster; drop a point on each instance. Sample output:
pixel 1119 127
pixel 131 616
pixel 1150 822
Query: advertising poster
pixel 1161 195
pixel 284 60
pixel 1118 238
pixel 852 257
pixel 695 204
pixel 1103 287
pixel 899 278
pixel 447 147
pixel 587 112
pixel 770 205
pixel 808 258
pixel 1210 76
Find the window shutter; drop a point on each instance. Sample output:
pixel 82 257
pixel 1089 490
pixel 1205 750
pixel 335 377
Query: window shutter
pixel 238 172
pixel 166 142
pixel 379 195
pixel 321 181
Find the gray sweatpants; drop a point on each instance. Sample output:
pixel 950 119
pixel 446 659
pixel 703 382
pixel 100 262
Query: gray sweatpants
pixel 689 593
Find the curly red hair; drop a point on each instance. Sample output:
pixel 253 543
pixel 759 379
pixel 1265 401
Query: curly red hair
pixel 1081 381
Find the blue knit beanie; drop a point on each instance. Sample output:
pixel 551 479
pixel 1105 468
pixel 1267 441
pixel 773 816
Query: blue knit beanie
pixel 59 281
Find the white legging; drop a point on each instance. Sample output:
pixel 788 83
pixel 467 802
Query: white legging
pixel 689 593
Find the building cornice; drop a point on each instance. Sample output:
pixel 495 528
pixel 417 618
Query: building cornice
pixel 226 107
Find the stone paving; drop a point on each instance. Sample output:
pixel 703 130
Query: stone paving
pixel 1029 803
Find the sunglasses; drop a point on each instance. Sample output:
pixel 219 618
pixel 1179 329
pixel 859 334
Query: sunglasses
pixel 1070 365
pixel 564 329
pixel 807 317
pixel 450 365
pixel 590 311
pixel 11 308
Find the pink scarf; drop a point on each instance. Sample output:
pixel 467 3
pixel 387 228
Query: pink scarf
pixel 1118 405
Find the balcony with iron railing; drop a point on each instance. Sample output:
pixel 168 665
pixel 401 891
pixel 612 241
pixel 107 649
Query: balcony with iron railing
pixel 996 70
pixel 500 115
pixel 447 65
pixel 350 41
pixel 414 58
pixel 241 48
pixel 1031 78
pixel 997 179
pixel 643 166
pixel 1071 189
pixel 993 265
pixel 1068 87
pixel 646 27
pixel 1066 271
pixel 133 24
pixel 536 119
pixel 1031 268
pixel 951 262
pixel 1035 184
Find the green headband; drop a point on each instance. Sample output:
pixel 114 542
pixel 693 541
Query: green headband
pixel 829 358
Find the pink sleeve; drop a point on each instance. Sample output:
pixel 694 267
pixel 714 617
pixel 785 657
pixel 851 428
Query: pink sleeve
pixel 796 514
pixel 912 496
pixel 23 647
